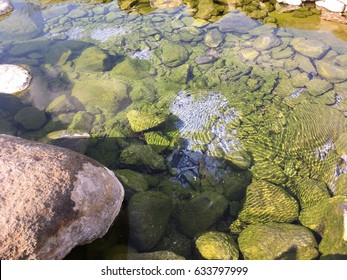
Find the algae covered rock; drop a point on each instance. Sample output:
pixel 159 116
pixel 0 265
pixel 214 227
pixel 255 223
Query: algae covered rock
pixel 149 213
pixel 132 68
pixel 328 218
pixel 201 212
pixel 273 241
pixel 331 72
pixel 310 47
pixel 266 202
pixel 173 55
pixel 214 245
pixel 91 60
pixel 107 95
pixel 140 121
pixel 61 104
pixel 132 181
pixel 310 192
pixel 239 159
pixel 236 22
pixel 270 172
pixel 266 42
pixel 213 38
pixel 31 118
pixel 142 156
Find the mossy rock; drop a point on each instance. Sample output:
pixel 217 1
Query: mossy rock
pixel 82 121
pixel 213 38
pixel 318 87
pixel 142 156
pixel 341 185
pixel 234 184
pixel 92 60
pixel 7 128
pixel 311 191
pixel 201 212
pixel 270 172
pixel 180 74
pixel 134 69
pixel 327 218
pixel 61 104
pixel 157 140
pixel 149 213
pixel 173 55
pixel 275 241
pixel 266 202
pixel 174 241
pixel 341 145
pixel 214 245
pixel 132 181
pixel 140 121
pixel 239 159
pixel 109 96
pixel 31 118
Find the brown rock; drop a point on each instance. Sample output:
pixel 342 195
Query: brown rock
pixel 52 199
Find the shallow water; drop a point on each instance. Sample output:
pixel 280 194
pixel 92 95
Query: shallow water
pixel 216 105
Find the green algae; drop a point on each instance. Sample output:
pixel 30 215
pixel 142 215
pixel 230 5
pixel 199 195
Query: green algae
pixel 217 246
pixel 273 241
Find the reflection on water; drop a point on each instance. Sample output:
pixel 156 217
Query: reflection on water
pixel 210 126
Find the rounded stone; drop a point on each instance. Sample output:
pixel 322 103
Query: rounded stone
pixel 275 241
pixel 52 199
pixel 149 213
pixel 31 118
pixel 214 245
pixel 13 78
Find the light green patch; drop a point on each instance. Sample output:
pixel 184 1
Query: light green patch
pixel 215 245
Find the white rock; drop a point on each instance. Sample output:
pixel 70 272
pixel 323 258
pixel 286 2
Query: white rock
pixel 13 78
pixel 5 7
pixel 291 2
pixel 332 5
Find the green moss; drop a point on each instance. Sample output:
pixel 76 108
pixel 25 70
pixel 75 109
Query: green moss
pixel 215 245
pixel 239 159
pixel 149 213
pixel 132 181
pixel 107 95
pixel 265 202
pixel 270 172
pixel 133 69
pixel 140 121
pixel 273 241
pixel 142 156
pixel 31 118
pixel 92 60
pixel 201 212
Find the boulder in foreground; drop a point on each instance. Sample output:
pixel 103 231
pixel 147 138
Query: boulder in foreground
pixel 52 199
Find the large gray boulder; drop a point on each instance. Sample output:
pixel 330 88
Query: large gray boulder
pixel 13 78
pixel 52 199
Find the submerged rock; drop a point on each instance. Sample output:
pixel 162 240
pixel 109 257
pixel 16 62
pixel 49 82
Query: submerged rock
pixel 107 95
pixel 214 245
pixel 236 22
pixel 149 213
pixel 329 219
pixel 13 78
pixel 53 199
pixel 173 55
pixel 275 241
pixel 31 118
pixel 310 47
pixel 266 202
pixel 142 156
pixel 331 72
pixel 140 121
pixel 201 212
pixel 91 60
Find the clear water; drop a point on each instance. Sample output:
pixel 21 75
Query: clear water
pixel 218 104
